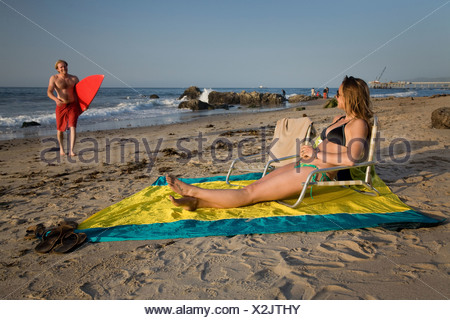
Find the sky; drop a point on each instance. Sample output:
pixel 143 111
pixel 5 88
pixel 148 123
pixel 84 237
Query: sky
pixel 224 44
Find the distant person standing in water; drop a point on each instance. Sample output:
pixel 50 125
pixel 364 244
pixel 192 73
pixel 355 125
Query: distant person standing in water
pixel 67 107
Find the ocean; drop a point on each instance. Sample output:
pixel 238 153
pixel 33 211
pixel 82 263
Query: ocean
pixel 115 108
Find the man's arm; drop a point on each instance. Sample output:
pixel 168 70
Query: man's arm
pixel 75 96
pixel 51 89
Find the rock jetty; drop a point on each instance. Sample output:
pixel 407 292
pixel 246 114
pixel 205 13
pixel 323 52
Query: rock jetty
pixel 225 99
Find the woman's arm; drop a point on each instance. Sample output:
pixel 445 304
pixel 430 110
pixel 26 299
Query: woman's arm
pixel 331 154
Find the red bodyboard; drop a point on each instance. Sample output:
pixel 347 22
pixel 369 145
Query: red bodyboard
pixel 86 90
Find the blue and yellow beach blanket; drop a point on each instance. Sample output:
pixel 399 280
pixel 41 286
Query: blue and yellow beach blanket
pixel 149 214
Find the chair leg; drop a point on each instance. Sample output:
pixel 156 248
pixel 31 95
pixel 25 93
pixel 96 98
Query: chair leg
pixel 372 190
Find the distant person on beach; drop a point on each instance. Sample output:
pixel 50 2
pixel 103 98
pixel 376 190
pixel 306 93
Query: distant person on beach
pixel 313 92
pixel 67 107
pixel 341 144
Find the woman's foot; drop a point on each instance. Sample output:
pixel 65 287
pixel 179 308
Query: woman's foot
pixel 179 186
pixel 187 203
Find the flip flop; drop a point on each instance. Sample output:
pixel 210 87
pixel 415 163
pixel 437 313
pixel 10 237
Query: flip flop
pixel 34 232
pixel 69 241
pixel 71 224
pixel 50 238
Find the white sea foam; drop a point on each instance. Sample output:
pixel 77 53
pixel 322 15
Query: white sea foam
pixel 137 109
pixel 17 121
pixel 204 95
pixel 128 108
pixel 395 94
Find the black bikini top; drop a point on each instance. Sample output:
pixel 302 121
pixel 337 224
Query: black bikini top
pixel 337 135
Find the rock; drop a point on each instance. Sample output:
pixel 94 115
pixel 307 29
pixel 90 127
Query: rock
pixel 271 99
pixel 244 98
pixel 296 98
pixel 300 98
pixel 440 118
pixel 438 95
pixel 218 98
pixel 331 104
pixel 191 93
pixel 30 124
pixel 154 96
pixel 250 98
pixel 256 99
pixel 194 105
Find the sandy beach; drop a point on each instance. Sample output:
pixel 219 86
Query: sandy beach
pixel 37 187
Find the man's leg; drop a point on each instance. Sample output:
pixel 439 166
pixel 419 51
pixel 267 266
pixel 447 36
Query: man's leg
pixel 74 113
pixel 60 137
pixel 73 138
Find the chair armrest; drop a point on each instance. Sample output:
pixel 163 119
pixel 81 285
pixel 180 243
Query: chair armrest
pixel 240 159
pixel 338 168
pixel 324 170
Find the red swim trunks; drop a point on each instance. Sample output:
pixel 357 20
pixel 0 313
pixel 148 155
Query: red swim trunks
pixel 67 115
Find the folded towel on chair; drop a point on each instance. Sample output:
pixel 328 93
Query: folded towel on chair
pixel 289 135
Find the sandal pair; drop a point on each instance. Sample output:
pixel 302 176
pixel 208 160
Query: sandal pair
pixel 61 239
pixel 69 241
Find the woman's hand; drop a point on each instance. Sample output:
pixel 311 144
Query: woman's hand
pixel 308 152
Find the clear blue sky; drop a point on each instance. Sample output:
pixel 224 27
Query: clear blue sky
pixel 228 43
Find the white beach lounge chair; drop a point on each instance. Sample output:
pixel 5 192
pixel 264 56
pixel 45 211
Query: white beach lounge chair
pixel 288 137
pixel 367 182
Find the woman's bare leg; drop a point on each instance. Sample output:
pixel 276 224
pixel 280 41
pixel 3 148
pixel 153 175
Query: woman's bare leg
pixel 187 203
pixel 281 185
pixel 191 203
pixel 185 189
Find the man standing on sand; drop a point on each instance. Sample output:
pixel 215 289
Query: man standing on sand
pixel 67 107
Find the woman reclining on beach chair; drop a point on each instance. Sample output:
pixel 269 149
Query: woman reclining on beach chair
pixel 343 143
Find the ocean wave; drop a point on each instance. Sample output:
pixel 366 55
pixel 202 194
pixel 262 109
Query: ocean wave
pixel 204 95
pixel 135 109
pixel 291 95
pixel 395 94
pixel 44 119
pixel 127 109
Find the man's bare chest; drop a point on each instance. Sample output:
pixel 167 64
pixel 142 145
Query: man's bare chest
pixel 64 84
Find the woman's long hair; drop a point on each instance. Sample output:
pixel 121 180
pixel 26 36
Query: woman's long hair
pixel 357 99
